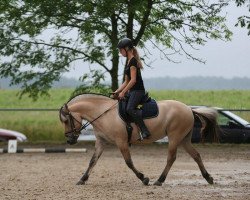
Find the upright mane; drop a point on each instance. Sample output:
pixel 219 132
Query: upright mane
pixel 82 96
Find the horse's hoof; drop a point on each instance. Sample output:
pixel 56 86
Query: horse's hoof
pixel 145 181
pixel 157 183
pixel 80 182
pixel 210 180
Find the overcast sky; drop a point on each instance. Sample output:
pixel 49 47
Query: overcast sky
pixel 224 59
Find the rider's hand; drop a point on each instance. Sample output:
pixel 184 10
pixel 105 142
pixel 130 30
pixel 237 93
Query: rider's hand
pixel 121 95
pixel 115 95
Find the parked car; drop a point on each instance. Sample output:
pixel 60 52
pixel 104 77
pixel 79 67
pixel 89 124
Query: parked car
pixel 6 135
pixel 232 128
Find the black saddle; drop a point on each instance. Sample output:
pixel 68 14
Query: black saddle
pixel 148 106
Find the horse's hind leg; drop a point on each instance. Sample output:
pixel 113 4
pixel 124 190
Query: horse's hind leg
pixel 172 150
pixel 196 156
pixel 127 157
pixel 98 152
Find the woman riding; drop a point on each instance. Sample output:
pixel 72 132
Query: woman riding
pixel 133 84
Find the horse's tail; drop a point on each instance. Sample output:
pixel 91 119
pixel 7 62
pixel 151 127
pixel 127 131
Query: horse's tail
pixel 208 118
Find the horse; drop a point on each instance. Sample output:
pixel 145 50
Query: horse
pixel 175 120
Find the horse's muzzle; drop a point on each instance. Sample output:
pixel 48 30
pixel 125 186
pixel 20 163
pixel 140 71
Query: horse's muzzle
pixel 72 139
pixel 71 142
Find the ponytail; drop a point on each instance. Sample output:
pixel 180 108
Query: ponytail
pixel 137 57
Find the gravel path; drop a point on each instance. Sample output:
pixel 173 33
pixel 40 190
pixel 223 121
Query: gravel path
pixel 53 176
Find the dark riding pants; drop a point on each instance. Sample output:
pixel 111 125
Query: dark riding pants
pixel 134 100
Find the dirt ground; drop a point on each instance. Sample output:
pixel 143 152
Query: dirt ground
pixel 53 176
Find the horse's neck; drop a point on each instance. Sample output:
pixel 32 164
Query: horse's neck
pixel 91 108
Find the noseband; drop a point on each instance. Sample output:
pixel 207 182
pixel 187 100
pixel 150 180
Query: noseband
pixel 74 131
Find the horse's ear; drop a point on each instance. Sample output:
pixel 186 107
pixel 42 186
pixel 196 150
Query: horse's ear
pixel 61 115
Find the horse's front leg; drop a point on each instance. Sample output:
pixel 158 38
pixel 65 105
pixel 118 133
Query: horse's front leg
pixel 127 157
pixel 99 146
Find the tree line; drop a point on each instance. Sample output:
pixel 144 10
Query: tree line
pixel 161 83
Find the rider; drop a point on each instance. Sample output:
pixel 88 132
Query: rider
pixel 133 84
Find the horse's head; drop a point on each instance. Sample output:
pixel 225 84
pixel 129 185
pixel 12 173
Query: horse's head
pixel 72 124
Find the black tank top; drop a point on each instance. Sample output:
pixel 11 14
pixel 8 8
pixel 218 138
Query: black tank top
pixel 139 82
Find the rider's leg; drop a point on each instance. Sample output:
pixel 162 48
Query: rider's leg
pixel 134 100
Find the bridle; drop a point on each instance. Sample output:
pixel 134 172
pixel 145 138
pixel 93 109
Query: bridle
pixel 74 131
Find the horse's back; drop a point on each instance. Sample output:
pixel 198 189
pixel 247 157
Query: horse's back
pixel 174 107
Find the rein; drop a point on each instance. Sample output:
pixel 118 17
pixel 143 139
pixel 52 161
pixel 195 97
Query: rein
pixel 88 123
pixel 75 131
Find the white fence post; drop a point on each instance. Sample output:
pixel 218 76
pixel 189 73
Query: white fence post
pixel 12 146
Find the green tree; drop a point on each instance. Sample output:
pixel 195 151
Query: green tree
pixel 89 30
pixel 244 21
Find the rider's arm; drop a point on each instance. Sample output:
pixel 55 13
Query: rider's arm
pixel 125 83
pixel 132 81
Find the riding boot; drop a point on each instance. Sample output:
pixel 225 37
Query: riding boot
pixel 137 117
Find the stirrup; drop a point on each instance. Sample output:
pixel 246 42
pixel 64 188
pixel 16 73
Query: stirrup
pixel 142 138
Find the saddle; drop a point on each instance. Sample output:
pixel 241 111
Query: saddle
pixel 147 105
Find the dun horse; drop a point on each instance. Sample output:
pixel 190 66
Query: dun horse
pixel 175 120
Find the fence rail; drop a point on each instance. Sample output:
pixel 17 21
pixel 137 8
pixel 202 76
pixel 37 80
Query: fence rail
pixel 57 109
pixel 29 109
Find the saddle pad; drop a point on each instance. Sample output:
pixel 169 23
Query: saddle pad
pixel 149 110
